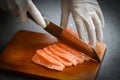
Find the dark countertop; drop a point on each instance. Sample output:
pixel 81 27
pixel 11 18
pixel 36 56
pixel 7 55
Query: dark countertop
pixel 110 67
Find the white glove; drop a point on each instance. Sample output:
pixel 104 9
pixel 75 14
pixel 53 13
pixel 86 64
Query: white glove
pixel 87 16
pixel 20 9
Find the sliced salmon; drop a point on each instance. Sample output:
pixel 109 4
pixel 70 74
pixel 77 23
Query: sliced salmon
pixel 78 55
pixel 62 53
pixel 43 59
pixel 72 51
pixel 63 61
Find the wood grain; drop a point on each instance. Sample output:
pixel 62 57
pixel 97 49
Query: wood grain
pixel 18 53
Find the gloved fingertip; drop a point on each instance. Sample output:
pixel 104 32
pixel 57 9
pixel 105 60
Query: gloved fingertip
pixel 100 39
pixel 42 23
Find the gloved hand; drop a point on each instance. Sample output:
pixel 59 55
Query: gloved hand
pixel 20 9
pixel 87 16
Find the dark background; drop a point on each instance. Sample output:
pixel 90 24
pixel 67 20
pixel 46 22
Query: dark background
pixel 110 67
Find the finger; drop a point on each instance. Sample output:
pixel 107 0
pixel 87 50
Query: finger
pixel 32 9
pixel 100 15
pixel 98 27
pixel 81 29
pixel 90 30
pixel 23 16
pixel 64 13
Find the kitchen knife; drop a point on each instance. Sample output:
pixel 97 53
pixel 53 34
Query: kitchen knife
pixel 69 39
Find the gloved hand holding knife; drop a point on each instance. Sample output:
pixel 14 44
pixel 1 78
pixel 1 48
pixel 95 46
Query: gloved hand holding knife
pixel 88 18
pixel 86 14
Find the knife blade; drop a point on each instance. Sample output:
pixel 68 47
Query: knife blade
pixel 71 40
pixel 65 36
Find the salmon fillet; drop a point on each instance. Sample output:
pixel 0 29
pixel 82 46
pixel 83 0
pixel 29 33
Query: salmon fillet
pixel 76 53
pixel 63 61
pixel 62 53
pixel 71 52
pixel 43 59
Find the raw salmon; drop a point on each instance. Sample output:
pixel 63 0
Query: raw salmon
pixel 63 61
pixel 60 52
pixel 74 51
pixel 43 59
pixel 64 49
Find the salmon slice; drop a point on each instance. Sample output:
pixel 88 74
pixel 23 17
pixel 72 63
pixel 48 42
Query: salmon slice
pixel 74 51
pixel 79 60
pixel 62 53
pixel 43 59
pixel 63 61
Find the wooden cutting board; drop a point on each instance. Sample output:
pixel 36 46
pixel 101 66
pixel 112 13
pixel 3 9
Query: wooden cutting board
pixel 18 53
